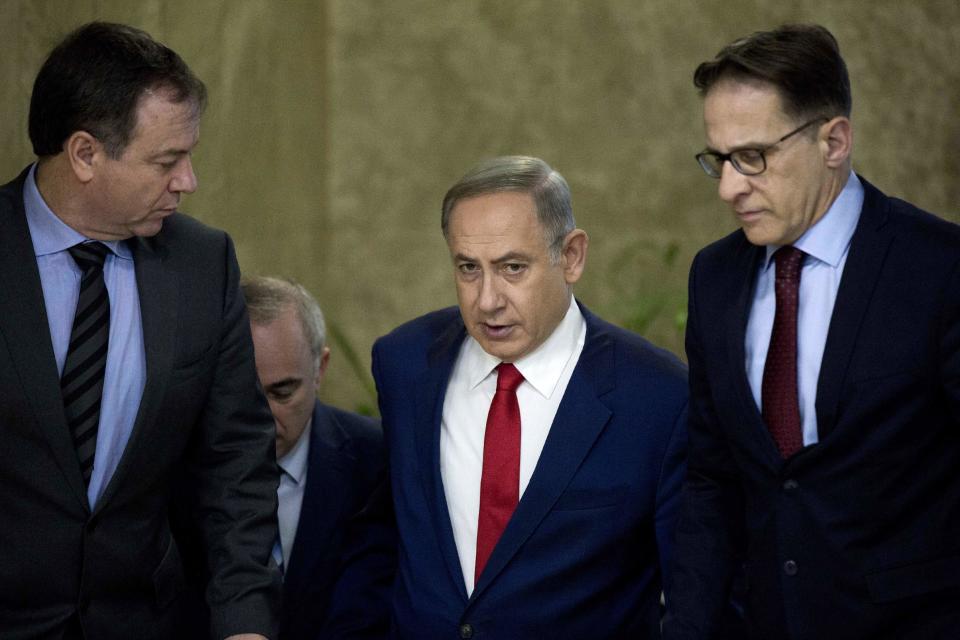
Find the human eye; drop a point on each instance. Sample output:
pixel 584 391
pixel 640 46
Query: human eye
pixel 514 268
pixel 282 393
pixel 467 268
pixel 749 161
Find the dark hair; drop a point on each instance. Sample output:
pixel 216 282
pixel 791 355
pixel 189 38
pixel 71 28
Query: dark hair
pixel 801 60
pixel 93 81
pixel 524 174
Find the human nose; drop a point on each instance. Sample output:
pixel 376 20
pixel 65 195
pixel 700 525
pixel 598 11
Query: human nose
pixel 184 180
pixel 490 298
pixel 732 182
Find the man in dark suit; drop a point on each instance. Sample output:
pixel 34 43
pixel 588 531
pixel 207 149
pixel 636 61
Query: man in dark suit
pixel 535 450
pixel 824 348
pixel 125 362
pixel 337 541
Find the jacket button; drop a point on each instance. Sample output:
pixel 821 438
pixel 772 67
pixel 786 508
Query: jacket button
pixel 790 568
pixel 790 485
pixel 466 631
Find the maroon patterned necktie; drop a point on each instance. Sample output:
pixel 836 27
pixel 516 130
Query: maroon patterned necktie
pixel 781 408
pixel 500 482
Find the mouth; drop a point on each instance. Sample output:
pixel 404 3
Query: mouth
pixel 496 331
pixel 748 215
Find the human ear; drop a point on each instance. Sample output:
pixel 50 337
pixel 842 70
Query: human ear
pixel 83 150
pixel 574 254
pixel 837 141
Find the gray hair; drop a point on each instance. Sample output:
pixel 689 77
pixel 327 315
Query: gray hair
pixel 524 174
pixel 268 297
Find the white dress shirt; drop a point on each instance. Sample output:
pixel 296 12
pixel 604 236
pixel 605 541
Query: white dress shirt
pixel 826 244
pixel 473 382
pixel 293 481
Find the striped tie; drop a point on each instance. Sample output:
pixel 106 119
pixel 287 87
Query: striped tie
pixel 82 380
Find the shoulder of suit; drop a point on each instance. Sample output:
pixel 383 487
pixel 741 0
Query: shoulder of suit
pixel 418 335
pixel 635 356
pixel 353 425
pixel 182 226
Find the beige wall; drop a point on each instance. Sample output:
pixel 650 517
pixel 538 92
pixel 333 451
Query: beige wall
pixel 336 126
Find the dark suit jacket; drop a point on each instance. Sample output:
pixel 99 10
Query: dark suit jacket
pixel 582 556
pixel 117 566
pixel 337 584
pixel 857 536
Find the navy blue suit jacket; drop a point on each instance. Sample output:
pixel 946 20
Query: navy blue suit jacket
pixel 857 536
pixel 583 554
pixel 337 583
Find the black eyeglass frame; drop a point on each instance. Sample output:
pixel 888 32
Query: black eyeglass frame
pixel 708 168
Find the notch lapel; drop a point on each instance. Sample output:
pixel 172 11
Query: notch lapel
pixel 25 329
pixel 157 289
pixel 322 505
pixel 431 388
pixel 580 420
pixel 868 248
pixel 747 260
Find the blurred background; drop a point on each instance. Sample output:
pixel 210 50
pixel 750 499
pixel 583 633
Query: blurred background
pixel 336 126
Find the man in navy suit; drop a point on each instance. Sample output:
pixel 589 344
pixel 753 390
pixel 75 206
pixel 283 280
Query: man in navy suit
pixel 824 349
pixel 337 544
pixel 535 450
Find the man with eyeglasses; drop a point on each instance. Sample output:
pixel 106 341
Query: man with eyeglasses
pixel 824 349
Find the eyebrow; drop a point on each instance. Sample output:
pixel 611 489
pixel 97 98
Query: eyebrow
pixel 740 147
pixel 507 257
pixel 166 153
pixel 286 382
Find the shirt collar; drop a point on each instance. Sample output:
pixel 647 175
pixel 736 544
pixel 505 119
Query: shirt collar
pixel 48 232
pixel 828 239
pixel 294 462
pixel 542 367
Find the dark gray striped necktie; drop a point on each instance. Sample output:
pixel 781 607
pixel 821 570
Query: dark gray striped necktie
pixel 82 380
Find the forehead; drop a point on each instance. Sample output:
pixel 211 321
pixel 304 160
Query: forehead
pixel 743 112
pixel 163 122
pixel 507 216
pixel 282 336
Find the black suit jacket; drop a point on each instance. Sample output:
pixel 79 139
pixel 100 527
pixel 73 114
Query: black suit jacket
pixel 117 566
pixel 857 536
pixel 338 581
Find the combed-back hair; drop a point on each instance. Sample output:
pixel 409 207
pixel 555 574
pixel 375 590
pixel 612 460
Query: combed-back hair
pixel 94 80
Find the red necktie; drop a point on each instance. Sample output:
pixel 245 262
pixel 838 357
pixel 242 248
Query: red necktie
pixel 781 409
pixel 500 482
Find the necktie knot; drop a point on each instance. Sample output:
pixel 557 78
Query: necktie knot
pixel 788 259
pixel 89 255
pixel 508 377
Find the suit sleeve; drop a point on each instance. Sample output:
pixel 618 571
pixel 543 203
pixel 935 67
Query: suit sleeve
pixel 706 553
pixel 235 478
pixel 950 344
pixel 668 495
pixel 360 603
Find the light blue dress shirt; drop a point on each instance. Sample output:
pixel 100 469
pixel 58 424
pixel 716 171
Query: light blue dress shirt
pixel 826 244
pixel 126 362
pixel 293 483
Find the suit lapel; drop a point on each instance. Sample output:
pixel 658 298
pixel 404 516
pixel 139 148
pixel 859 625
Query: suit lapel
pixel 25 329
pixel 868 248
pixel 430 389
pixel 157 289
pixel 580 419
pixel 741 288
pixel 323 499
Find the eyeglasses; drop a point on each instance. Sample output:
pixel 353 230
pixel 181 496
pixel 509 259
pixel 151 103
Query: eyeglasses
pixel 749 162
